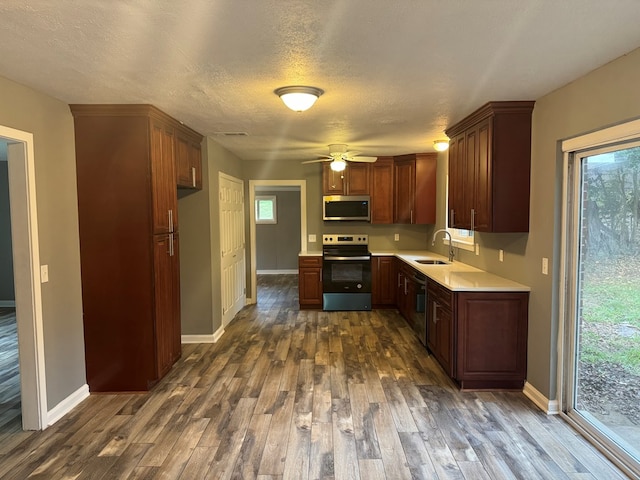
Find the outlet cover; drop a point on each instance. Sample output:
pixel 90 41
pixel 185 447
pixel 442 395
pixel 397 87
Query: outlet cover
pixel 44 273
pixel 477 249
pixel 545 266
pixel 501 255
pixel 396 237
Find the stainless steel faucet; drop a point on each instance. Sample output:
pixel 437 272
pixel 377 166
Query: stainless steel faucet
pixel 446 232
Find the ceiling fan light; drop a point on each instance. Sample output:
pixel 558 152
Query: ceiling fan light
pixel 441 145
pixel 299 98
pixel 338 165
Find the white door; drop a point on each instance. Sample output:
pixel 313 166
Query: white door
pixel 232 249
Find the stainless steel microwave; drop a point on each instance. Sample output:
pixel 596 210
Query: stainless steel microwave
pixel 346 207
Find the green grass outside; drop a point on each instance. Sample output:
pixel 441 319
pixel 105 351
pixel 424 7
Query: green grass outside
pixel 611 308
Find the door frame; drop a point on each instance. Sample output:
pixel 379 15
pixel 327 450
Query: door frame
pixel 302 184
pixel 27 280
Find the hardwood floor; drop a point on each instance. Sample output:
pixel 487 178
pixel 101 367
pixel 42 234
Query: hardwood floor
pixel 10 416
pixel 289 394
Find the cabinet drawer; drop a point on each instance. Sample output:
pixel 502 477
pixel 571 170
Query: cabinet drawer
pixel 309 261
pixel 440 294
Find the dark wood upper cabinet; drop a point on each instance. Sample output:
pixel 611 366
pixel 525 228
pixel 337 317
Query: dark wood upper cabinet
pixel 490 168
pixel 353 180
pixel 382 190
pixel 414 189
pixel 188 161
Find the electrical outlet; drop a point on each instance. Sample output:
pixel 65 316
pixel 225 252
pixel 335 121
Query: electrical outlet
pixel 44 273
pixel 312 238
pixel 477 249
pixel 545 266
pixel 501 255
pixel 396 237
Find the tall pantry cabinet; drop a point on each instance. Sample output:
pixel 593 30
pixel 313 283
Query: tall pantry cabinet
pixel 127 207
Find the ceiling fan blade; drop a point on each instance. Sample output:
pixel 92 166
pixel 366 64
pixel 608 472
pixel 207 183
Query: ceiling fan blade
pixel 317 161
pixel 363 159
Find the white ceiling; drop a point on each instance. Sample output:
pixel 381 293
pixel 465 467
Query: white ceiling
pixel 395 73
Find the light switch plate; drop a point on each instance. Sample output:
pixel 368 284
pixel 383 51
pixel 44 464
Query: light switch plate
pixel 44 273
pixel 477 249
pixel 545 266
pixel 501 255
pixel 312 238
pixel 396 237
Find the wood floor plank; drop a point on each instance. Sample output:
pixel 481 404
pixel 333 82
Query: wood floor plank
pixel 321 463
pixel 363 428
pixel 391 450
pixel 248 462
pixel 275 448
pixel 345 454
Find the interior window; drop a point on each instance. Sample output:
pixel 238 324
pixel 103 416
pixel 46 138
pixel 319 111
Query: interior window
pixel 266 209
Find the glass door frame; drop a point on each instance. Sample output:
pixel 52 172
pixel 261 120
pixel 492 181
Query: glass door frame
pixel 618 137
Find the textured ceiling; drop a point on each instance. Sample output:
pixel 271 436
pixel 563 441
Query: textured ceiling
pixel 395 73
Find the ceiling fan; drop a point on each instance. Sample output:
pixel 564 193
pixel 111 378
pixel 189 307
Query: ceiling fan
pixel 339 156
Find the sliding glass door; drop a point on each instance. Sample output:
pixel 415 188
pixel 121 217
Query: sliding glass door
pixel 602 347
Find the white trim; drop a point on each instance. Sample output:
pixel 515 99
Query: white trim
pixel 68 404
pixel 213 338
pixel 550 407
pixel 616 133
pixel 278 272
pixel 26 272
pixel 258 184
pixel 8 303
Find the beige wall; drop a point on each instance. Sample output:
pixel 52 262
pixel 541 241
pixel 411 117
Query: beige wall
pixel 51 124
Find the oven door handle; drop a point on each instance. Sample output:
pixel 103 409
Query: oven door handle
pixel 363 257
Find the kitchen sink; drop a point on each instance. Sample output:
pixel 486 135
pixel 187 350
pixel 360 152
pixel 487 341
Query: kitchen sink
pixel 431 261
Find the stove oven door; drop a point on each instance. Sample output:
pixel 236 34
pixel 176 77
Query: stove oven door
pixel 346 283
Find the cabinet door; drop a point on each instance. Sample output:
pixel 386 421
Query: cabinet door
pixel 456 181
pixel 195 161
pixel 482 200
pixel 333 183
pixel 310 282
pixel 404 191
pixel 383 281
pixel 382 191
pixel 183 163
pixel 492 338
pixel 357 178
pixel 165 302
pixel 165 200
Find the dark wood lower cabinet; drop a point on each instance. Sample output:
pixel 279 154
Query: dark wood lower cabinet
pixel 479 338
pixel 383 281
pixel 310 282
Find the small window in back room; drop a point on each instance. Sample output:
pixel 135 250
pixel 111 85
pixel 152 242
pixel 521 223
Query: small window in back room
pixel 266 209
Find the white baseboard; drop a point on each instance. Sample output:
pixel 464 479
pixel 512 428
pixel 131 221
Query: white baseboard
pixel 277 272
pixel 550 407
pixel 8 303
pixel 213 338
pixel 68 404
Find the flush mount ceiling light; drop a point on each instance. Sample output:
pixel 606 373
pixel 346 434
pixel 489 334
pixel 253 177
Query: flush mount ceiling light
pixel 299 98
pixel 441 145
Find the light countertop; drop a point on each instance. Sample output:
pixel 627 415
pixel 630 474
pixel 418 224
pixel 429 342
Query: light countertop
pixel 459 277
pixel 456 276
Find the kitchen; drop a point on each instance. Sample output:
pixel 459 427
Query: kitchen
pixel 560 114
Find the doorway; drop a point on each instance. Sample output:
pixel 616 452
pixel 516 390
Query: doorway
pixel 256 187
pixel 26 272
pixel 602 297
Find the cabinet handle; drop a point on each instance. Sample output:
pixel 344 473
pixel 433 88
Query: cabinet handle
pixel 435 312
pixel 193 175
pixel 399 280
pixel 473 219
pixel 171 244
pixel 170 221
